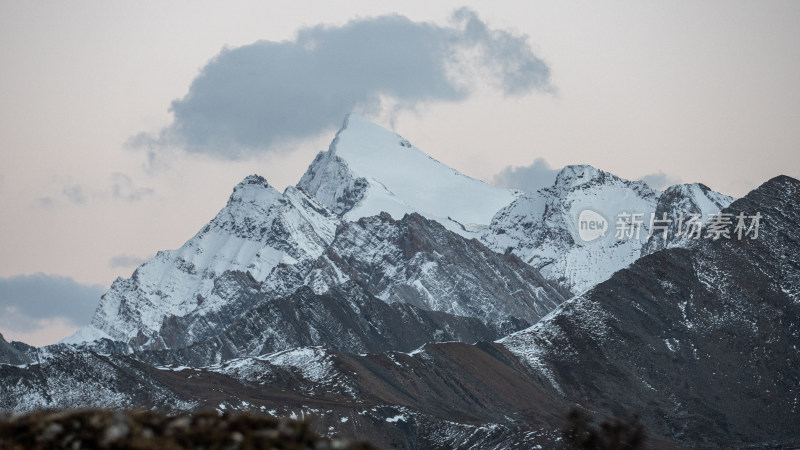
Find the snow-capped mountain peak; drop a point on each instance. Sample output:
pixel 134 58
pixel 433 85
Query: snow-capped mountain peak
pixel 542 227
pixel 257 229
pixel 584 176
pixel 368 170
pixel 254 189
pixel 271 242
pixel 577 174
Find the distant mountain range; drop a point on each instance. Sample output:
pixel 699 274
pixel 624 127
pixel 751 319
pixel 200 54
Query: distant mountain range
pixel 397 300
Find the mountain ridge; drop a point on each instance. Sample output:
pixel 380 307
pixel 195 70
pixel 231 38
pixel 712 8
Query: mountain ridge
pixel 692 314
pixel 310 302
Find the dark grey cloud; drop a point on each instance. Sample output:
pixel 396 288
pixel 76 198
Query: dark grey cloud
pixel 660 180
pixel 26 299
pixel 74 193
pixel 45 202
pixel 124 261
pixel 123 188
pixel 259 96
pixel 527 178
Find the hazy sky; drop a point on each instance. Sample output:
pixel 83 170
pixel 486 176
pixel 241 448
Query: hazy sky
pixel 124 126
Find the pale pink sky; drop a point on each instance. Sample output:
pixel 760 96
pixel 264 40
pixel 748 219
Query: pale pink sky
pixel 703 91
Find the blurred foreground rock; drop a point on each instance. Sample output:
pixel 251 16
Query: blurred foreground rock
pixel 105 429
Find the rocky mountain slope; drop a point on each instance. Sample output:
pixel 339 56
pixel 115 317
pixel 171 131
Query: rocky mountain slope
pixel 258 229
pixel 254 252
pixel 70 379
pixel 543 228
pixel 344 318
pixel 678 203
pixel 320 234
pixel 431 285
pixel 11 355
pixel 417 261
pixel 312 302
pixel 703 343
pixel 428 398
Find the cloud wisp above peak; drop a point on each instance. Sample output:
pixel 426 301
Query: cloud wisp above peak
pixel 125 261
pixel 529 178
pixel 660 180
pixel 74 193
pixel 258 97
pixel 121 188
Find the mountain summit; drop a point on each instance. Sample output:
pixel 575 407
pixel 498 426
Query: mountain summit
pixel 368 170
pixel 264 245
pixel 542 227
pixel 258 229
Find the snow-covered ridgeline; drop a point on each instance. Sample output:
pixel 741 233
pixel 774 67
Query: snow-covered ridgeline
pixel 542 227
pixel 258 229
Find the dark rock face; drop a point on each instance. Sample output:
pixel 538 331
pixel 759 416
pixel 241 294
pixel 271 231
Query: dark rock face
pixel 242 293
pixel 703 343
pixel 9 354
pixel 417 261
pixel 439 286
pixel 677 204
pixel 344 318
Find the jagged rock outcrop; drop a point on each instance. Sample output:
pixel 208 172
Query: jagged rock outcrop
pixel 345 318
pixel 11 355
pixel 678 203
pixel 417 261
